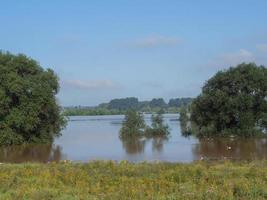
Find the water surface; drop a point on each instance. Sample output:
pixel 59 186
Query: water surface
pixel 96 138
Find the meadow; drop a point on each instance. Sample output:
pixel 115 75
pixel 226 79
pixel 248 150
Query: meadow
pixel 124 180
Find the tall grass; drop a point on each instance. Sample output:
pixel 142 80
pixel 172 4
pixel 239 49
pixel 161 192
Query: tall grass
pixel 110 180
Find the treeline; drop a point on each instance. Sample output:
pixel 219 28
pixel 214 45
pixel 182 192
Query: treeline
pixel 120 106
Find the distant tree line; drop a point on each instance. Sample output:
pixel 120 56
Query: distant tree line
pixel 120 106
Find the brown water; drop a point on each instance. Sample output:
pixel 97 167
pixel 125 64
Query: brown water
pixel 96 138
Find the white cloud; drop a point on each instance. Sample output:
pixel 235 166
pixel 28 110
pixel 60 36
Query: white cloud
pixel 155 41
pixel 262 47
pixel 89 84
pixel 231 59
pixel 238 57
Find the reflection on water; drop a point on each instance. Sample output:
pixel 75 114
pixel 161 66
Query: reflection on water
pixel 136 145
pixel 96 138
pixel 133 145
pixel 30 153
pixel 157 143
pixel 238 148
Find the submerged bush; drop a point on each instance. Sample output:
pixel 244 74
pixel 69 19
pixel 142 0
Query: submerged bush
pixel 233 102
pixel 28 108
pixel 133 124
pixel 158 127
pixel 185 123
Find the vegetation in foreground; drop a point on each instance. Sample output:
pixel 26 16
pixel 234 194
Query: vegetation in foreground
pixel 109 180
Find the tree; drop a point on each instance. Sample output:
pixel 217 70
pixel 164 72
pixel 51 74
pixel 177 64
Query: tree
pixel 185 121
pixel 158 127
pixel 29 112
pixel 233 102
pixel 179 102
pixel 123 104
pixel 133 124
pixel 158 103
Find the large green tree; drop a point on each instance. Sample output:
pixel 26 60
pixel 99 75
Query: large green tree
pixel 234 101
pixel 29 112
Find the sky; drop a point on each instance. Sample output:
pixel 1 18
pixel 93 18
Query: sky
pixel 148 49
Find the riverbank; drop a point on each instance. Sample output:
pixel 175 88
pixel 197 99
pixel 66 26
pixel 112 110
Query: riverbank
pixel 101 111
pixel 96 113
pixel 110 180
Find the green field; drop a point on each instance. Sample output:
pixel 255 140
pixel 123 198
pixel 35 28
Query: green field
pixel 109 180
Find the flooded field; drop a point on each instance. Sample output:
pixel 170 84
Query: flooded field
pixel 96 138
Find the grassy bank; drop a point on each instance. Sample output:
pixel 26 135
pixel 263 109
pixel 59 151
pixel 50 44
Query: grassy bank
pixel 108 180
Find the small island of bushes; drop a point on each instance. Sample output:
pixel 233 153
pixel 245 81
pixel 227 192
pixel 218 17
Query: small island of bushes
pixel 134 126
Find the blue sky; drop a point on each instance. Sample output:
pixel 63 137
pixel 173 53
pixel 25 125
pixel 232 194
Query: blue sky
pixel 106 49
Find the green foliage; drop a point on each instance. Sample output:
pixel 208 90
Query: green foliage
pixel 233 102
pixel 123 104
pixel 91 111
pixel 158 127
pixel 120 106
pixel 179 102
pixel 124 180
pixel 157 103
pixel 185 121
pixel 133 124
pixel 28 108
